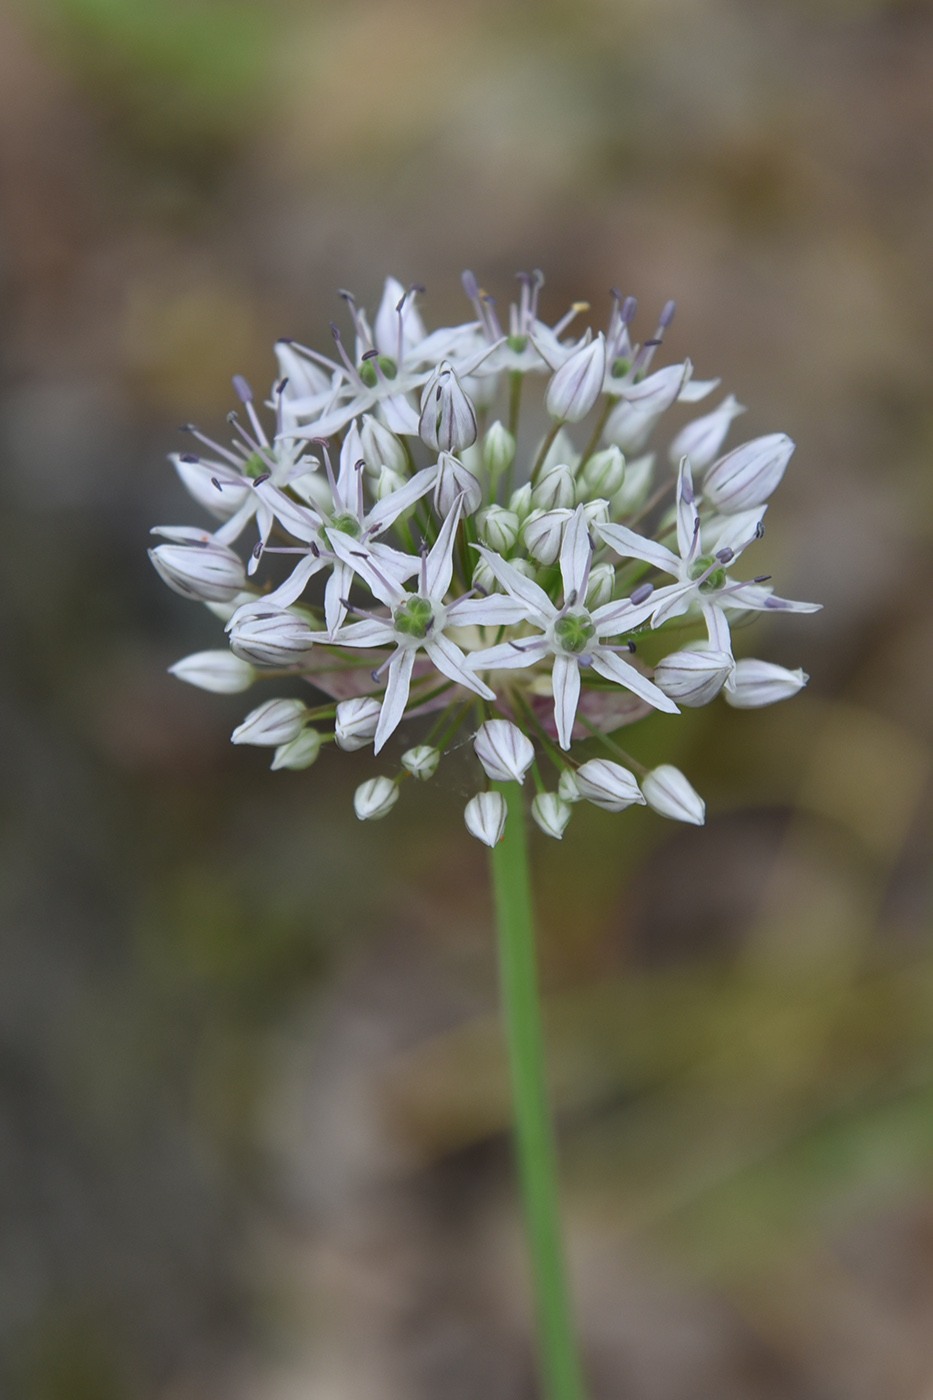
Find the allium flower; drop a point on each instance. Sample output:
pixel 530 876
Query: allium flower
pixel 439 577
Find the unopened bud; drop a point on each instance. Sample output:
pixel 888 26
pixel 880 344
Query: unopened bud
pixel 219 671
pixel 375 799
pixel 603 474
pixel 453 480
pixel 448 419
pixel 693 678
pixel 421 761
pixel 202 569
pixel 498 449
pixel 551 813
pixel 485 817
pixel 759 683
pixel 543 534
pixel 634 490
pixel 599 589
pixel 272 723
pixel 747 475
pixel 298 754
pixel 667 791
pixel 269 636
pixel 567 787
pixel 607 785
pixel 702 439
pixel 504 751
pixel 555 491
pixel 484 580
pixel 520 501
pixel 356 722
pixel 578 383
pixel 388 481
pixel 498 528
pixel 381 448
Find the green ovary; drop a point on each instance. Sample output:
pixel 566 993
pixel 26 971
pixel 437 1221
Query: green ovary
pixel 573 631
pixel 414 618
pixel 716 579
pixel 348 524
pixel 368 372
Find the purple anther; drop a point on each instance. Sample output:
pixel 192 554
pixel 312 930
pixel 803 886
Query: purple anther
pixel 585 660
pixel 321 442
pixel 242 390
pixel 187 428
pixel 263 476
pixel 285 340
pixel 419 288
pixel 641 595
pixel 282 385
pixel 215 482
pixel 232 416
pixel 358 466
pixel 347 296
pixel 314 550
pixel 257 549
pixel 189 457
pixel 653 343
pixel 335 331
pixel 627 310
pixel 667 315
pixel 469 283
pixel 762 578
pixel 760 530
pixel 632 648
pixel 726 556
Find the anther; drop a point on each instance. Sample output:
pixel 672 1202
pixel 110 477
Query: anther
pixel 263 476
pixel 641 594
pixel 189 457
pixel 632 647
pixel 726 556
pixel 282 385
pixel 242 390
pixel 371 354
pixel 257 549
pixel 687 494
pixel 215 482
pixel 667 315
pixel 628 309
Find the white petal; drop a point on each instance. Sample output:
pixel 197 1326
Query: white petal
pixel 634 546
pixel 495 611
pixel 575 554
pixel 566 682
pixel 451 662
pixel 537 603
pixel 439 565
pixel 509 655
pixel 398 686
pixel 608 664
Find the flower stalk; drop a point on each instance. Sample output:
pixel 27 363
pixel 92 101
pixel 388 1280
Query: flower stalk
pixel 534 1138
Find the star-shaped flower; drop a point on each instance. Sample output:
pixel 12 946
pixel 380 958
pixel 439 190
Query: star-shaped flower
pixel 570 633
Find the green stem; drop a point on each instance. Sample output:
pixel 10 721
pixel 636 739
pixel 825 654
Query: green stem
pixel 593 443
pixel 534 1139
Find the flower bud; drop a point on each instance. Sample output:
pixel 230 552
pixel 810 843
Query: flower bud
pixel 381 448
pixel 631 421
pixel 375 799
pixel 454 480
pixel 578 383
pixel 204 569
pixel 702 439
pixel 298 754
pixel 607 785
pixel 599 589
pixel 693 678
pixel 421 761
pixel 498 449
pixel 556 490
pixel 635 487
pixel 484 580
pixel 762 683
pixel 747 475
pixel 667 791
pixel 603 474
pixel 520 501
pixel 567 787
pixel 485 817
pixel 551 813
pixel 198 479
pixel 387 481
pixel 498 528
pixel 356 722
pixel 272 723
pixel 596 512
pixel 543 533
pixel 219 671
pixel 524 567
pixel 448 419
pixel 272 637
pixel 504 751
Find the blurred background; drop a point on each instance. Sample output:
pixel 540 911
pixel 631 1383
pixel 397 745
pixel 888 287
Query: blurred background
pixel 252 1105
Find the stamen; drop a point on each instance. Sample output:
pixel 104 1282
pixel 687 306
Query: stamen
pixel 209 442
pixel 242 389
pixel 641 594
pixel 188 457
pixel 348 363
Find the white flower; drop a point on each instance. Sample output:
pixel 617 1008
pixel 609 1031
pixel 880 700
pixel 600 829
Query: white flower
pixel 196 566
pixel 485 817
pixel 381 448
pixel 270 636
pixel 667 791
pixel 631 421
pixel 693 678
pixel 418 620
pixel 498 449
pixel 356 721
pixel 571 634
pixel 498 528
pixel 375 799
pixel 702 439
pixel 300 753
pixel 219 671
pixel 453 480
pixel 504 751
pixel 763 683
pixel 531 346
pixel 556 490
pixel 578 383
pixel 748 475
pixel 421 761
pixel 702 578
pixel 272 723
pixel 607 785
pixel 448 418
pixel 551 813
